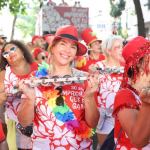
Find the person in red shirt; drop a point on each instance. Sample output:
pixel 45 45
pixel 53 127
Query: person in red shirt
pixel 63 112
pixel 110 80
pixel 94 54
pixel 132 101
pixel 16 64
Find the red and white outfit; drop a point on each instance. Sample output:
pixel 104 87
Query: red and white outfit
pixel 109 86
pixel 88 62
pixel 49 133
pixel 13 104
pixel 125 99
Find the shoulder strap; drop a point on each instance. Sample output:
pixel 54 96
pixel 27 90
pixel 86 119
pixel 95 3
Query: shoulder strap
pixel 117 139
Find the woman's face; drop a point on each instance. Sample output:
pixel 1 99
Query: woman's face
pixel 15 55
pixel 41 57
pixel 64 51
pixel 96 46
pixel 116 51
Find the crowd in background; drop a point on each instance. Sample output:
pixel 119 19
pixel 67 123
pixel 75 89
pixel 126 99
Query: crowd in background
pixel 113 100
pixel 63 4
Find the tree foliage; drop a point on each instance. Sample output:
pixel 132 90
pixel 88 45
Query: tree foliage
pixel 26 24
pixel 15 6
pixel 117 8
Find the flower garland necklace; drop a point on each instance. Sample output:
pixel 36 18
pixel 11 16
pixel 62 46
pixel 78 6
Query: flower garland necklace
pixel 62 111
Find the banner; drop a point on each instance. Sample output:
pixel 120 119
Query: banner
pixel 54 17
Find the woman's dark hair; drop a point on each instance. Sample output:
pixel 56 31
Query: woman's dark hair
pixel 89 50
pixel 22 47
pixel 46 46
pixel 130 72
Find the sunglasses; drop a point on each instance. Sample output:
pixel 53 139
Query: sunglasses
pixel 44 57
pixel 6 54
pixel 4 38
pixel 55 80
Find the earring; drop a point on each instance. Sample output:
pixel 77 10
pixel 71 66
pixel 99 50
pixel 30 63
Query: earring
pixel 22 56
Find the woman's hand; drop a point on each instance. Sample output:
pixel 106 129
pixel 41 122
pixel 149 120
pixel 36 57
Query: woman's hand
pixel 3 97
pixel 27 90
pixel 93 83
pixel 93 68
pixel 144 95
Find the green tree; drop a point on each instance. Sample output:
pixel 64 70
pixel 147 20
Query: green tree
pixel 15 7
pixel 117 8
pixel 26 24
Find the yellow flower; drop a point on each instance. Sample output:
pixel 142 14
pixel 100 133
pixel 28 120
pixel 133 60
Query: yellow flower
pixel 52 102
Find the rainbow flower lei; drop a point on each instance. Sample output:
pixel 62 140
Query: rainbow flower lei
pixel 61 110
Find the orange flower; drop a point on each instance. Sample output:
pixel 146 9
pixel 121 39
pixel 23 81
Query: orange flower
pixel 83 130
pixel 51 94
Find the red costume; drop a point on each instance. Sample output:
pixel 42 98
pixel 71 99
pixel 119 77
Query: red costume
pixel 89 37
pixel 128 97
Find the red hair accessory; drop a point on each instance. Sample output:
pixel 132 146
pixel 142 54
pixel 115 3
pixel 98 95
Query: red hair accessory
pixel 36 36
pixel 135 49
pixel 37 51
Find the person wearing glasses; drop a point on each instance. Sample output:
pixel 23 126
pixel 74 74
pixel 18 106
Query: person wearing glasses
pixel 16 64
pixel 3 39
pixel 39 56
pixel 64 112
pixel 111 71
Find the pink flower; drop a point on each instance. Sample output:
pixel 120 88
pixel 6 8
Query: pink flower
pixel 71 124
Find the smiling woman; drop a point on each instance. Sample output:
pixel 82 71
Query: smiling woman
pixel 110 80
pixel 16 64
pixel 13 46
pixel 63 114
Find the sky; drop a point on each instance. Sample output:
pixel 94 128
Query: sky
pixel 94 7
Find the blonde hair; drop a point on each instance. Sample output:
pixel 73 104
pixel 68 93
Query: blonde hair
pixel 108 43
pixel 52 45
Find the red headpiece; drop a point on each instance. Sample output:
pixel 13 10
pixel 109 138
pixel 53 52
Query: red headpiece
pixel 37 51
pixel 135 49
pixel 89 36
pixel 36 36
pixel 69 32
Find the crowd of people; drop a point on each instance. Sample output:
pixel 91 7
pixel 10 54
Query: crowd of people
pixel 62 4
pixel 57 96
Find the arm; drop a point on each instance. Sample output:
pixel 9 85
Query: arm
pixel 91 111
pixel 3 94
pixel 26 112
pixel 137 123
